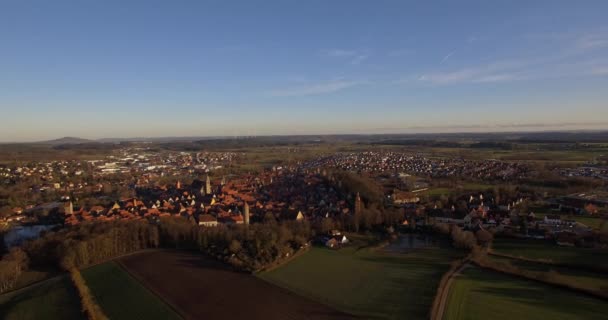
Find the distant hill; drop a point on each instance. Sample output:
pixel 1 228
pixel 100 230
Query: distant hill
pixel 67 140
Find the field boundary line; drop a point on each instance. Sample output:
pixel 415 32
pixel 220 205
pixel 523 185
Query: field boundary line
pixel 66 273
pixel 179 312
pixel 549 262
pixel 443 290
pixel 589 292
pixel 283 262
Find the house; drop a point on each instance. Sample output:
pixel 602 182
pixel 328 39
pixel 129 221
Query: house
pixel 207 220
pixel 344 240
pixel 332 243
pixel 405 197
pixel 552 219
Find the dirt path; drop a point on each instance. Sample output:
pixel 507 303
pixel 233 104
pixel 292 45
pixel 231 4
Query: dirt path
pixel 443 300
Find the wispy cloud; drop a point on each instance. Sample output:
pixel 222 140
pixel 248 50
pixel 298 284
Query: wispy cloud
pixel 568 55
pixel 591 42
pixel 447 57
pixel 316 88
pixel 353 56
pixel 494 72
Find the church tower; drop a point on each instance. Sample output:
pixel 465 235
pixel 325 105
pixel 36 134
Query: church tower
pixel 358 205
pixel 68 207
pixel 207 185
pixel 246 213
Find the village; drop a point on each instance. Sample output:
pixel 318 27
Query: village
pixel 134 184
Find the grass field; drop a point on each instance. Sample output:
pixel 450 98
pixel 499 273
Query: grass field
pixel 482 294
pixel 369 284
pixel 540 249
pixel 591 280
pixel 53 299
pixel 122 297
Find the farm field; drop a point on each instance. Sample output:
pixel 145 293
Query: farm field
pixel 53 299
pixel 592 280
pixel 123 297
pixel 540 249
pixel 482 294
pixel 369 284
pixel 200 288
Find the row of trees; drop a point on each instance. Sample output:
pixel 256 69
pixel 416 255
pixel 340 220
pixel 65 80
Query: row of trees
pixel 464 239
pixel 245 247
pixel 11 266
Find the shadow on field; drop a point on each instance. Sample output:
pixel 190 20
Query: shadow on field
pixel 507 288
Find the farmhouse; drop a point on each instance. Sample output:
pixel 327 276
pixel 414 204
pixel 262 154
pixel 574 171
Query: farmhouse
pixel 207 220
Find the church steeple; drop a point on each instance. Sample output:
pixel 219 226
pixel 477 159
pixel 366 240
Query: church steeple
pixel 358 205
pixel 207 185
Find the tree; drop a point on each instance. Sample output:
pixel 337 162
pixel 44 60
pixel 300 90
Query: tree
pixel 483 236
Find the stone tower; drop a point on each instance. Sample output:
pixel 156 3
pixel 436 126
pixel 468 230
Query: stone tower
pixel 358 205
pixel 246 213
pixel 68 207
pixel 207 185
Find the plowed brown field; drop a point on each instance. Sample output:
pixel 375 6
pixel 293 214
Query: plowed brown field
pixel 201 288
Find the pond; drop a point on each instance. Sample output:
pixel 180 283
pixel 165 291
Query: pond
pixel 16 235
pixel 412 241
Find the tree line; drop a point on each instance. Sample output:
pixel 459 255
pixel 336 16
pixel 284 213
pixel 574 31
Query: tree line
pixel 246 248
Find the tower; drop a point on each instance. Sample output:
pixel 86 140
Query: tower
pixel 246 213
pixel 68 207
pixel 207 185
pixel 358 205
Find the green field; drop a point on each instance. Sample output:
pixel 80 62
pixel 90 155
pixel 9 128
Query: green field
pixel 590 280
pixel 122 297
pixel 52 299
pixel 540 249
pixel 482 294
pixel 366 283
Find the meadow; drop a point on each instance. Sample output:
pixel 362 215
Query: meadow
pixel 122 297
pixel 48 300
pixel 591 280
pixel 371 284
pixel 482 294
pixel 541 249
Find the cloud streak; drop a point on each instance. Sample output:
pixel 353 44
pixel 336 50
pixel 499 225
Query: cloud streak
pixel 316 88
pixel 447 57
pixel 353 56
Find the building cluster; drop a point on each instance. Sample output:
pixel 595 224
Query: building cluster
pixel 420 165
pixel 586 171
pixel 280 194
pixel 146 161
pixel 484 213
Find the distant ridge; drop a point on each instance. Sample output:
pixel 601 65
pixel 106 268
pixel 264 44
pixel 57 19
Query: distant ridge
pixel 67 140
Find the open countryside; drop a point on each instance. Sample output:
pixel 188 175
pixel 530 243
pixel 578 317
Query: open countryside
pixel 303 160
pixel 369 283
pixel 480 294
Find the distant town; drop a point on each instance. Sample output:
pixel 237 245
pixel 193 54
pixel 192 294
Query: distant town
pixel 443 207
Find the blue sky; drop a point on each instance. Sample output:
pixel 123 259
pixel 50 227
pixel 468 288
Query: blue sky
pixel 188 68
